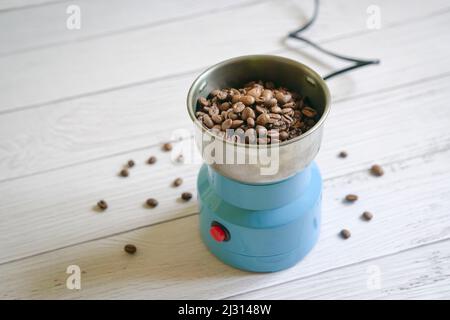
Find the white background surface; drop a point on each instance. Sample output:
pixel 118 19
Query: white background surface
pixel 75 105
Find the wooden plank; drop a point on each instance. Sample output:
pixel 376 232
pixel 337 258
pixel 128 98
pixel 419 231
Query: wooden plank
pixel 421 273
pixel 375 132
pixel 8 5
pixel 68 132
pixel 173 263
pixel 74 69
pixel 45 25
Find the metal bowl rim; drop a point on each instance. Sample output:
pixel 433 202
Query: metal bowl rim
pixel 209 70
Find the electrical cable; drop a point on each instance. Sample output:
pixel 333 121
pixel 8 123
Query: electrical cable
pixel 358 63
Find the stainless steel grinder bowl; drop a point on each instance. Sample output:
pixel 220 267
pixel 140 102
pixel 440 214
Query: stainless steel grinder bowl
pixel 293 155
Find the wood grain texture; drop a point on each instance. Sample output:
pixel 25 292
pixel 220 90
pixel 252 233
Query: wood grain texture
pixel 45 25
pixel 69 132
pixel 9 5
pixel 420 273
pixel 118 60
pixel 64 197
pixel 173 263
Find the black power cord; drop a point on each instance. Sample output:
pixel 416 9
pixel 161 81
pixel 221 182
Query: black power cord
pixel 357 63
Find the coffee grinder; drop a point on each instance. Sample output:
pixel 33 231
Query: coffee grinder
pixel 264 215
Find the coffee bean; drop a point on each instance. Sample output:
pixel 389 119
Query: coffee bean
pixel 256 104
pixel 275 109
pixel 263 119
pixel 247 113
pixel 203 101
pixel 259 101
pixel 130 163
pixel 283 98
pixel 260 109
pixel 224 115
pixel 287 97
pixel 377 170
pixel 343 154
pixel 214 110
pixel 151 160
pixel 351 197
pixel 227 124
pixel 261 131
pixel 186 196
pixel 283 135
pixel 367 215
pixel 222 95
pixel 217 119
pixel 215 92
pixel 255 92
pixel 225 106
pixel 298 124
pixel 232 115
pixel 345 234
pixel 247 100
pixel 130 248
pixel 167 147
pixel 270 103
pixel 267 94
pixel 152 202
pixel 207 121
pixel 238 107
pixel 275 116
pixel 288 105
pixel 124 173
pixel 279 96
pixel 287 118
pixel 309 112
pixel 102 205
pixel 236 124
pixel 234 92
pixel 177 182
pixel 236 98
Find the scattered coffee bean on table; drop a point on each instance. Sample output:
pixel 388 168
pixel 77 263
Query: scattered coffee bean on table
pixel 186 196
pixel 152 202
pixel 367 215
pixel 233 113
pixel 102 205
pixel 377 170
pixel 124 173
pixel 345 233
pixel 151 160
pixel 167 147
pixel 130 248
pixel 343 154
pixel 351 197
pixel 130 163
pixel 177 182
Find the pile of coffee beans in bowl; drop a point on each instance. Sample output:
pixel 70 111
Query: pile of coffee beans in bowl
pixel 258 113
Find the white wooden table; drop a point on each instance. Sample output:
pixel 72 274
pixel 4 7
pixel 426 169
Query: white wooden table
pixel 75 105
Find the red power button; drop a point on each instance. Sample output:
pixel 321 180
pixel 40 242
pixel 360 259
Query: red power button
pixel 219 232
